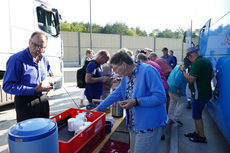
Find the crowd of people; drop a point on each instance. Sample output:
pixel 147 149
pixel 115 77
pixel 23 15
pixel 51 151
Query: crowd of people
pixel 151 89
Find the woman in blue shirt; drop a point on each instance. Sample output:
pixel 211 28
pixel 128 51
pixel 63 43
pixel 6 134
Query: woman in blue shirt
pixel 144 99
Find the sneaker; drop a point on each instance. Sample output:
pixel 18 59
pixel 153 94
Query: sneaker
pixel 198 139
pixel 179 123
pixel 190 135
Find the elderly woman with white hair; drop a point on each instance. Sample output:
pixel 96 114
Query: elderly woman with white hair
pixel 143 97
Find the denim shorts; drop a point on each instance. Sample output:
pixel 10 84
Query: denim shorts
pixel 197 108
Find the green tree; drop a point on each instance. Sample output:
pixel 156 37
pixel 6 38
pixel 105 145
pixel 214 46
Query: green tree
pixel 132 32
pixel 79 27
pixel 65 26
pixel 140 32
pixel 96 28
pixel 73 27
pixel 119 28
pixel 154 33
pixel 167 33
pixel 107 29
pixel 195 33
pixel 87 28
pixel 179 33
pixel 122 28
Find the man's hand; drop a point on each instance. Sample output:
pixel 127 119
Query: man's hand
pixel 181 68
pixel 39 88
pixel 127 104
pixel 90 79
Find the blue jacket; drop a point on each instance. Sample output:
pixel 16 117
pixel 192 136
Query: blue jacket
pixel 171 60
pixel 148 87
pixel 177 80
pixel 23 75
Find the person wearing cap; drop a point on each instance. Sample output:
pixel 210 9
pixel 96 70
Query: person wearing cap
pixel 168 57
pixel 171 52
pixel 177 92
pixel 199 77
pixel 148 51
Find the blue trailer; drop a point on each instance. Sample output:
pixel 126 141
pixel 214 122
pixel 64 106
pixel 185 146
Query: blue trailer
pixel 214 44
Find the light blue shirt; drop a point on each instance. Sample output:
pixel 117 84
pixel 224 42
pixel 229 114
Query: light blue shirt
pixel 148 88
pixel 177 80
pixel 23 75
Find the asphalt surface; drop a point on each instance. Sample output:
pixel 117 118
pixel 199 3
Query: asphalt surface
pixel 181 144
pixel 175 142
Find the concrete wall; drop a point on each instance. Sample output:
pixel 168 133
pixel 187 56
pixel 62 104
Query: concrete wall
pixel 76 43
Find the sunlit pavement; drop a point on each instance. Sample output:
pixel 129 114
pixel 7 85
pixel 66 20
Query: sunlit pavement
pixel 59 101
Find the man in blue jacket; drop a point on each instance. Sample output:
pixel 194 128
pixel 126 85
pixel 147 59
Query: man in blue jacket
pixel 144 99
pixel 24 77
pixel 168 57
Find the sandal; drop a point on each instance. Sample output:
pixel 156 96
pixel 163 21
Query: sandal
pixel 194 134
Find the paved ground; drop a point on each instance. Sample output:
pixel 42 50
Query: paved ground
pixel 59 102
pixel 175 142
pixel 216 141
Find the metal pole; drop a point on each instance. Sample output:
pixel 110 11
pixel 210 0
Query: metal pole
pixel 90 25
pixel 120 41
pixel 79 48
pixel 182 53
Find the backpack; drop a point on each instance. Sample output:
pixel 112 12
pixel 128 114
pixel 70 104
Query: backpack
pixel 81 75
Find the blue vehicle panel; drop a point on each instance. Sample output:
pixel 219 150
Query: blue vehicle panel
pixel 214 43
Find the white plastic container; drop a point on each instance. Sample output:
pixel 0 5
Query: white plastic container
pixel 71 122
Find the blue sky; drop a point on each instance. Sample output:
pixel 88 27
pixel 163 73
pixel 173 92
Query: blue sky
pixel 146 14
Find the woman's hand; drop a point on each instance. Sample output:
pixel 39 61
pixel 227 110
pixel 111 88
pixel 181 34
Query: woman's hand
pixel 127 104
pixel 95 110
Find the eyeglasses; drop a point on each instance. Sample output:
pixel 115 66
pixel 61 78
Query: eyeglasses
pixel 188 55
pixel 37 46
pixel 116 67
